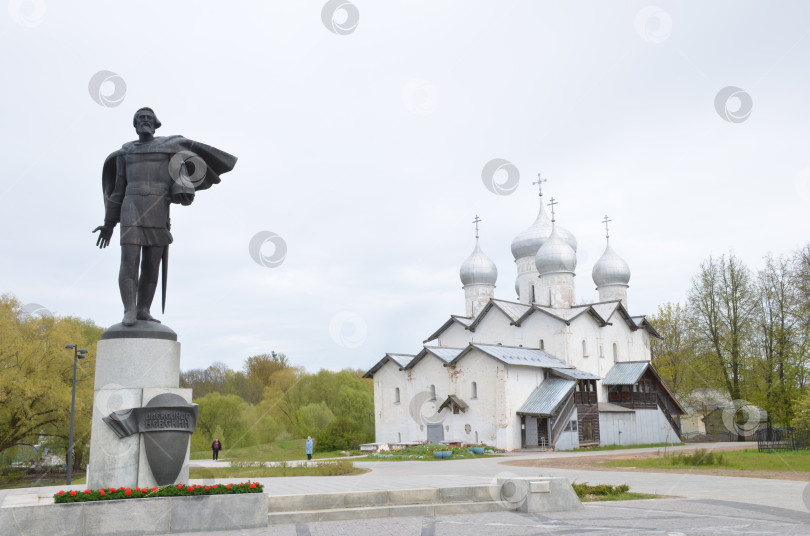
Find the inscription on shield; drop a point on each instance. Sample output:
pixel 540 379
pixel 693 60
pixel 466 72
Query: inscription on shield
pixel 166 450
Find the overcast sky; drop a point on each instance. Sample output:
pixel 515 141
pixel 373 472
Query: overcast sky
pixel 362 133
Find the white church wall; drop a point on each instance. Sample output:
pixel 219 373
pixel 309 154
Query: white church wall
pixel 553 332
pixel 422 405
pixel 482 415
pixel 489 413
pixel 642 426
pixel 495 328
pixel 456 336
pixel 520 381
pixel 391 423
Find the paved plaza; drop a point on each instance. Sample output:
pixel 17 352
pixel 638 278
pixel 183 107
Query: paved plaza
pixel 699 504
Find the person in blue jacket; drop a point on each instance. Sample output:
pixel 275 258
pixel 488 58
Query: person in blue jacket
pixel 309 448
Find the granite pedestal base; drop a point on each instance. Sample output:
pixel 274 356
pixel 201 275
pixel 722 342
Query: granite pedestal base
pixel 129 373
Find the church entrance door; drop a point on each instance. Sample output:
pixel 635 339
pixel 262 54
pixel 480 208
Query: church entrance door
pixel 587 431
pixel 435 433
pixel 530 432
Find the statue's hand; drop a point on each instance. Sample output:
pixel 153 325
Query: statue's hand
pixel 105 235
pixel 183 198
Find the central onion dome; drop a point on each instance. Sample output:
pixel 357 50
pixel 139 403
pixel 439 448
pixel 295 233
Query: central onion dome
pixel 478 269
pixel 556 255
pixel 610 269
pixel 529 241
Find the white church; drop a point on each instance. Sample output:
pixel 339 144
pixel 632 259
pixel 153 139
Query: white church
pixel 543 371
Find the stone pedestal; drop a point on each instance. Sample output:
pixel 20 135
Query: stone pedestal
pixel 132 367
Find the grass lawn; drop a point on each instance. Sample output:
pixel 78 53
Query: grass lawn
pixel 278 451
pixel 22 480
pixel 606 492
pixel 747 460
pixel 326 468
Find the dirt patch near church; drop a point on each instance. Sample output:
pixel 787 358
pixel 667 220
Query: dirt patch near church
pixel 599 463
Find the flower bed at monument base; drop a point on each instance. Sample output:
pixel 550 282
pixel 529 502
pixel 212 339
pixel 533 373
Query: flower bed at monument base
pixel 177 490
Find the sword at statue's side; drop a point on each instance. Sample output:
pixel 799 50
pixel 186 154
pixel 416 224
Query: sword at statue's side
pixel 164 269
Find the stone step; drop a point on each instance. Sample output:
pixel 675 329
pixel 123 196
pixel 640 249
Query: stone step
pixel 370 512
pixel 382 498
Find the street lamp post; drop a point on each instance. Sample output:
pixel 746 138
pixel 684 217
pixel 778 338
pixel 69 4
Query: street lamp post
pixel 77 354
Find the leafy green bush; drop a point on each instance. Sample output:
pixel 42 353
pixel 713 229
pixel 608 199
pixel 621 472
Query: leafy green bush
pixel 341 434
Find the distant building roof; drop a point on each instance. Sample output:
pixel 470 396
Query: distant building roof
pixel 546 397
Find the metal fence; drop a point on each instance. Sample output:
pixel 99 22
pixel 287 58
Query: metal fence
pixel 782 439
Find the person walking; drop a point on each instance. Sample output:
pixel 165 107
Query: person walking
pixel 309 448
pixel 216 446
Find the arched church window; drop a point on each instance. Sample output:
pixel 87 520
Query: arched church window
pixel 615 352
pixel 433 392
pixel 542 344
pixel 396 395
pixel 584 348
pixel 474 390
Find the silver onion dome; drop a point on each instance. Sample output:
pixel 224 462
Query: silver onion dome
pixel 610 269
pixel 555 255
pixel 529 240
pixel 478 269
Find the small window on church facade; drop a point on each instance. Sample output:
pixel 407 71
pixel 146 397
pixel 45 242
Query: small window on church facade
pixel 474 390
pixel 542 344
pixel 584 348
pixel 615 352
pixel 433 392
pixel 601 351
pixel 396 395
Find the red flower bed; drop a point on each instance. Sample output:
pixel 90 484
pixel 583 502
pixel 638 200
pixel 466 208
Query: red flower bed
pixel 180 490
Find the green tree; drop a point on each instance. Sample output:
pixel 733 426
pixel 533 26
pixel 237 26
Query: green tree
pixel 36 377
pixel 674 354
pixel 311 418
pixel 722 307
pixel 262 366
pixel 341 434
pixel 227 417
pixel 778 334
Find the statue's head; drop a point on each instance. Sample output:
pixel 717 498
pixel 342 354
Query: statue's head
pixel 145 121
